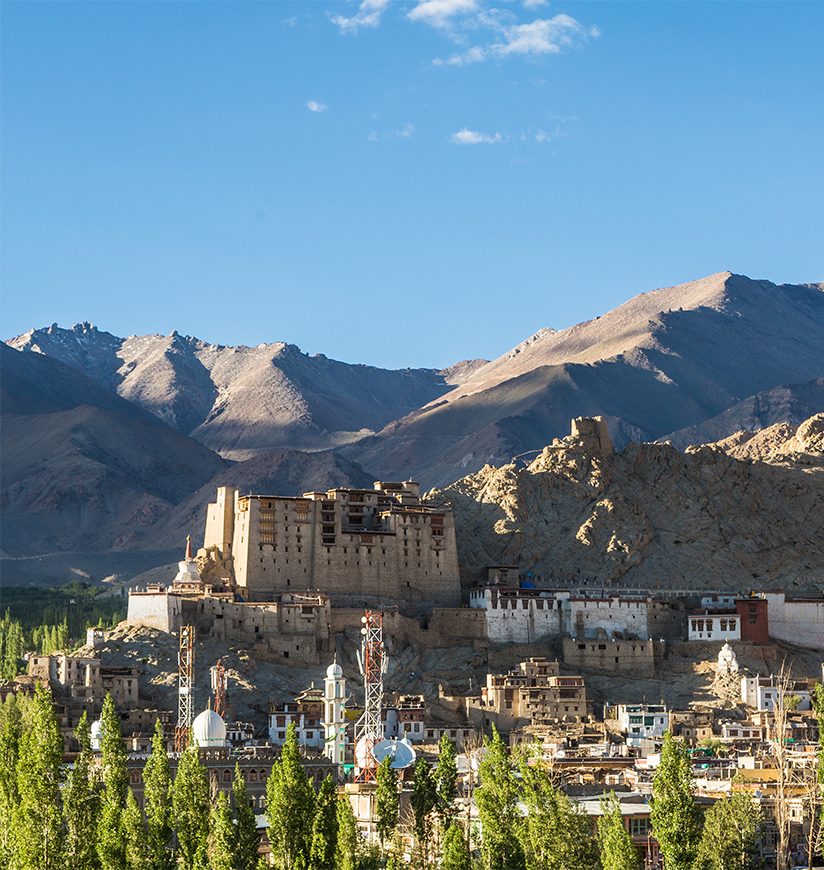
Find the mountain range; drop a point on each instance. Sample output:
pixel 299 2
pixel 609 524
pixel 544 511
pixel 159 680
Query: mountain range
pixel 116 443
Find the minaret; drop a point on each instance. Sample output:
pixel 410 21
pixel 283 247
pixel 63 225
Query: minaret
pixel 334 720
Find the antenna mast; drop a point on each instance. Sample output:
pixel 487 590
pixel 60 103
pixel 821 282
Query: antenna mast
pixel 372 661
pixel 185 686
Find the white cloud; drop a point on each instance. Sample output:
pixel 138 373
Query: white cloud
pixel 539 37
pixel 404 132
pixel 476 54
pixel 439 13
pixel 534 4
pixel 315 106
pixel 475 137
pixel 369 14
pixel 542 36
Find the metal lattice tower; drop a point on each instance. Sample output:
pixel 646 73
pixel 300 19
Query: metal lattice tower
pixel 185 686
pixel 219 687
pixel 372 661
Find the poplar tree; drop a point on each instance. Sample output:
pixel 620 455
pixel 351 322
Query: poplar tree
pixel 497 802
pixel 134 833
pixel 157 792
pixel 190 809
pixel 81 803
pixel 615 845
pixel 246 835
pixel 455 851
pixel 729 840
pixel 290 806
pixel 348 844
pixel 325 827
pixel 675 817
pixel 554 834
pixel 446 777
pixel 220 848
pixel 111 841
pixel 36 828
pixel 12 648
pixel 424 800
pixel 9 751
pixel 387 801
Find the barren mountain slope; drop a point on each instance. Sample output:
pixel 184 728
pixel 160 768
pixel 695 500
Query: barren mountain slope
pixel 661 362
pixel 243 400
pixel 82 468
pixel 647 517
pixel 789 403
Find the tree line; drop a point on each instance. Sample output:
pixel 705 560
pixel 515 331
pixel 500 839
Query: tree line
pixel 86 817
pixel 51 628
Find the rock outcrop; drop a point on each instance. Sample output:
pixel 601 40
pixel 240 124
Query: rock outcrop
pixel 649 516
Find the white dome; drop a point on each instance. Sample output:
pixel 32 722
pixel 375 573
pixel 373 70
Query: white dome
pixel 95 734
pixel 334 671
pixel 209 729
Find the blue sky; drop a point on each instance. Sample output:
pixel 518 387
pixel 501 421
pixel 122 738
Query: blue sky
pixel 400 183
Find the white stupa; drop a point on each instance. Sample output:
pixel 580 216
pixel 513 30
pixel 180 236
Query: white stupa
pixel 187 572
pixel 96 735
pixel 209 729
pixel 727 662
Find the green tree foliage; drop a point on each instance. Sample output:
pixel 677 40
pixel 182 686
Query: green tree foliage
pixel 554 834
pixel 424 801
pixel 730 837
pixel 497 801
pixel 446 777
pixel 81 803
pixel 111 841
pixel 676 819
pixel 348 843
pixel 818 707
pixel 190 809
pixel 10 733
pixel 134 832
pixel 220 848
pixel 36 827
pixel 79 604
pixel 157 793
pixel 615 845
pixel 325 827
pixel 387 800
pixel 12 647
pixel 246 835
pixel 290 806
pixel 455 850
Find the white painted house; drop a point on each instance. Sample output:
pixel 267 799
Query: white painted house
pixel 642 721
pixel 714 625
pixel 761 693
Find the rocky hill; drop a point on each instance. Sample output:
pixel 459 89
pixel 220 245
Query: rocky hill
pixel 648 516
pixel 240 401
pixel 661 362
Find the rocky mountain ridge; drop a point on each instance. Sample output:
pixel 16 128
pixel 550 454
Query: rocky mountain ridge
pixel 241 400
pixel 648 516
pixel 661 362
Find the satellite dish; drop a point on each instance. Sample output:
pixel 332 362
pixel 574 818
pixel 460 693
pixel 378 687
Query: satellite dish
pixel 400 752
